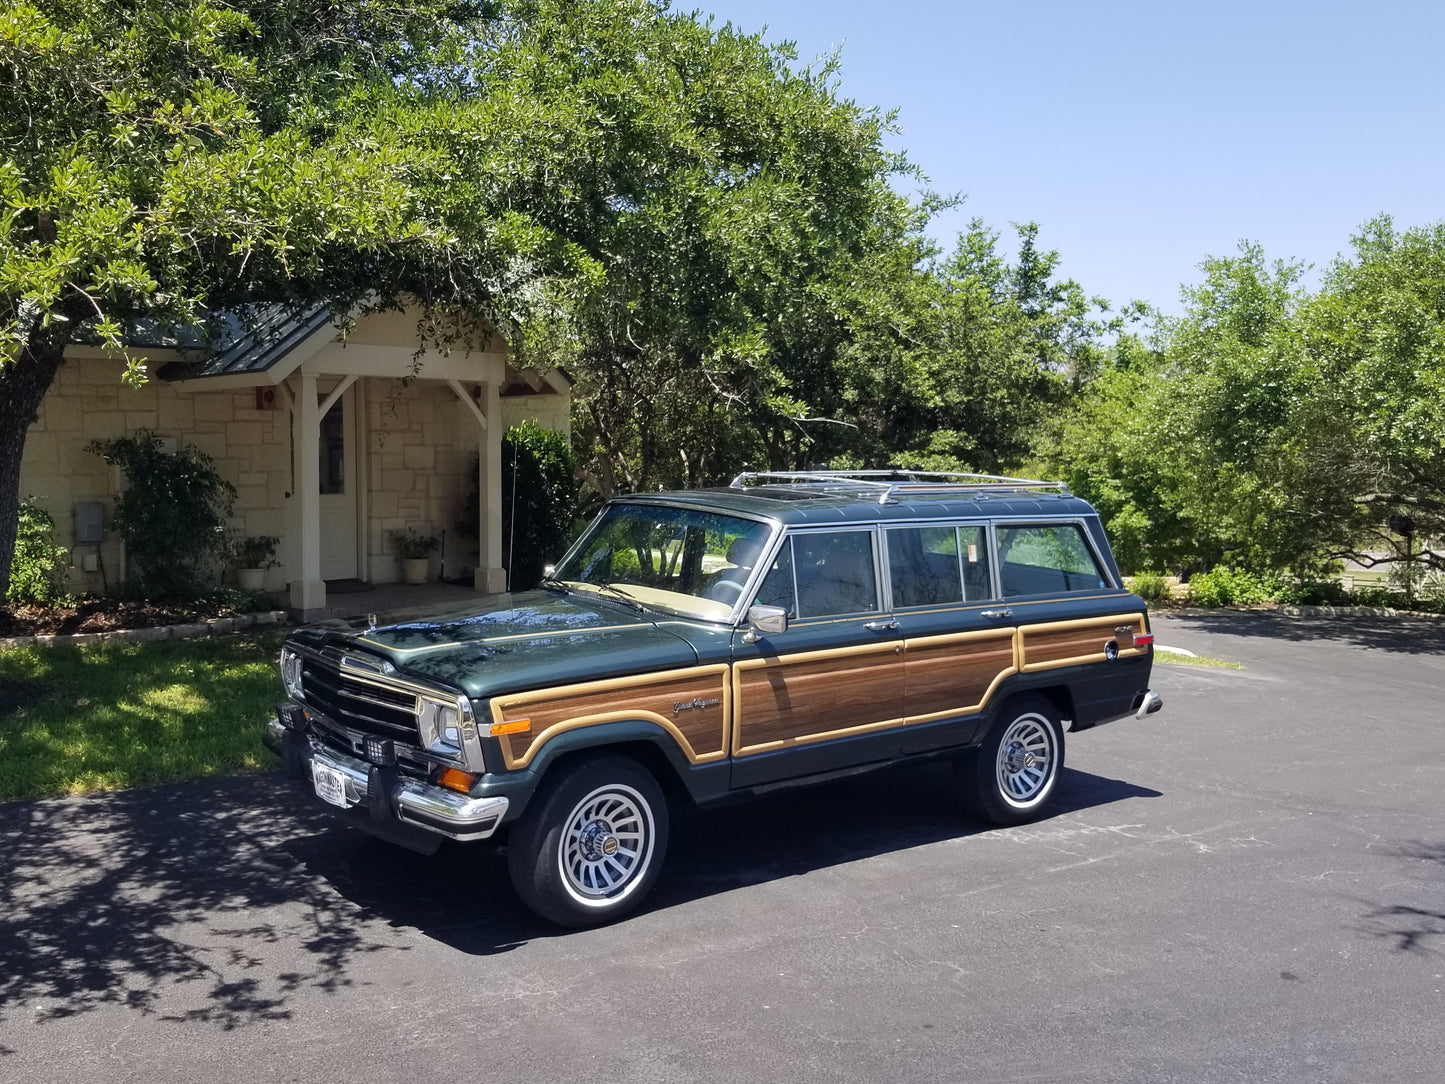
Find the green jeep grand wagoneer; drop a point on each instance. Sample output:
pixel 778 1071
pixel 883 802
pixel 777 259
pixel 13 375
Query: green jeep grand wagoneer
pixel 705 645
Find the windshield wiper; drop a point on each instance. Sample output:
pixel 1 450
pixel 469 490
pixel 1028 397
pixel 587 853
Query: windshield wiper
pixel 551 583
pixel 623 595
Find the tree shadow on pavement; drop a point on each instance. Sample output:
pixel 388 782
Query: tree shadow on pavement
pixel 172 901
pixel 219 902
pixel 1404 635
pixel 1414 927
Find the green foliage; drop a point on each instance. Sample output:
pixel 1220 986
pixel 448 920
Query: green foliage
pixel 254 551
pixel 413 546
pixel 1271 429
pixel 1314 593
pixel 1226 586
pixel 172 515
pixel 38 573
pixel 1010 344
pixel 539 500
pixel 1151 587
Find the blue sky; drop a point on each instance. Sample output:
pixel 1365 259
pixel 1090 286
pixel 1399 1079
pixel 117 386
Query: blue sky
pixel 1144 137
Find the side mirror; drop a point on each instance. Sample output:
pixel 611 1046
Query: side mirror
pixel 765 620
pixel 548 571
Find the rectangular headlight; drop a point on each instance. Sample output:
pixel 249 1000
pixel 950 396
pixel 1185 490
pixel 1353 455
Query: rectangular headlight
pixel 446 726
pixel 291 672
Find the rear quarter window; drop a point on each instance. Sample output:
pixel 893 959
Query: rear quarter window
pixel 1045 559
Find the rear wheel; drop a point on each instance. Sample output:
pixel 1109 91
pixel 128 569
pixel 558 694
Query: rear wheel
pixel 589 847
pixel 1012 776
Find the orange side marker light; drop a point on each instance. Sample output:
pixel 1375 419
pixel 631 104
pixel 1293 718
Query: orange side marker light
pixel 456 779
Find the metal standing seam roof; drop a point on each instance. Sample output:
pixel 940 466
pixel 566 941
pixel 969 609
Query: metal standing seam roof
pixel 252 344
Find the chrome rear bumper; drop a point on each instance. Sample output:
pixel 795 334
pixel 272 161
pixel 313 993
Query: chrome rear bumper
pixel 1151 703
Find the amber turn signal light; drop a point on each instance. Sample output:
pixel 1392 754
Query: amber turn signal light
pixel 516 726
pixel 456 779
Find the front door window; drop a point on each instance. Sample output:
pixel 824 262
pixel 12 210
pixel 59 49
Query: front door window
pixel 333 449
pixel 820 574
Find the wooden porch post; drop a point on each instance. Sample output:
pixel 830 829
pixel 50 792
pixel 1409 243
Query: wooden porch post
pixel 490 576
pixel 308 590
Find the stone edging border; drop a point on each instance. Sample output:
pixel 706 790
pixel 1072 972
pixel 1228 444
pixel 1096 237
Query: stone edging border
pixel 215 626
pixel 1307 611
pixel 1355 611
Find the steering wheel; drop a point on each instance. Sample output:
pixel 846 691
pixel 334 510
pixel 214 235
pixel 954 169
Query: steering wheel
pixel 725 591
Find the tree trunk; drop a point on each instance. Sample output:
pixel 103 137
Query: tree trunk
pixel 24 380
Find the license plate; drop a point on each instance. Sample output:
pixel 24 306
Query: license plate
pixel 330 784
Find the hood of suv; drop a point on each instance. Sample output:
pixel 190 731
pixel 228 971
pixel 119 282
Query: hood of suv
pixel 511 642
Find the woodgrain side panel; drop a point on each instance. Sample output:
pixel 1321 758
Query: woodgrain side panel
pixel 953 675
pixel 815 695
pixel 693 705
pixel 1068 643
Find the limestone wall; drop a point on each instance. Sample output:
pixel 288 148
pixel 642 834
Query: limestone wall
pixel 420 444
pixel 420 453
pixel 88 401
pixel 552 412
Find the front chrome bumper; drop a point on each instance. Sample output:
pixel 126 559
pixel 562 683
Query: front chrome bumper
pixel 423 805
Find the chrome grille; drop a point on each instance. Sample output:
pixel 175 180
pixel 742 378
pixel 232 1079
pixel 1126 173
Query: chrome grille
pixel 361 705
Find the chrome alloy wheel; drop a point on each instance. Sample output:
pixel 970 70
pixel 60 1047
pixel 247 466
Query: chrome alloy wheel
pixel 606 845
pixel 1025 763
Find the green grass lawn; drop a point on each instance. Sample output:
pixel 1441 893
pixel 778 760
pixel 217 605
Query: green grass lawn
pixel 1160 655
pixel 111 716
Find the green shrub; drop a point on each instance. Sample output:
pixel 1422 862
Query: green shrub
pixel 172 516
pixel 412 546
pixel 37 571
pixel 1231 587
pixel 1375 596
pixel 539 499
pixel 1151 587
pixel 539 502
pixel 1314 593
pixel 545 487
pixel 253 551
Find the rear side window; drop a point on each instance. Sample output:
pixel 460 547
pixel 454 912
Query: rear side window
pixel 930 566
pixel 818 574
pixel 1042 559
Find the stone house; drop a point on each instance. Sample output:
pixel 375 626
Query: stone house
pixel 332 442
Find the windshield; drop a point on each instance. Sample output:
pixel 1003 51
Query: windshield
pixel 682 560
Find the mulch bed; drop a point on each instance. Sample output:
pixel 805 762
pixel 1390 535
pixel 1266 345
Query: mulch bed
pixel 100 615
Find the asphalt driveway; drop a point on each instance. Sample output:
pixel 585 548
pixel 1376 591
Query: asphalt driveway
pixel 1247 887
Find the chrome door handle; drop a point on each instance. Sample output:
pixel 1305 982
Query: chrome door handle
pixel 998 613
pixel 880 626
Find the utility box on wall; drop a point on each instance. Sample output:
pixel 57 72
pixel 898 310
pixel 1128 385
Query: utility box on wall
pixel 89 523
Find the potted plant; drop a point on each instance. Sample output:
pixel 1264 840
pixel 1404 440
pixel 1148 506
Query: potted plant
pixel 251 557
pixel 415 551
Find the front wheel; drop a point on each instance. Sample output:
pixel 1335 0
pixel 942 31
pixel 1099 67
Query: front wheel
pixel 591 844
pixel 1011 777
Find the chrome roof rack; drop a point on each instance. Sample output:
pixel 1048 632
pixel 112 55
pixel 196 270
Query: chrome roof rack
pixel 888 486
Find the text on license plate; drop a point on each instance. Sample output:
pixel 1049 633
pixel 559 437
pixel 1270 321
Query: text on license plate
pixel 330 784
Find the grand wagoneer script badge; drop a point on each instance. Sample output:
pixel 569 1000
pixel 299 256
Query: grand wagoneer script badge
pixel 681 706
